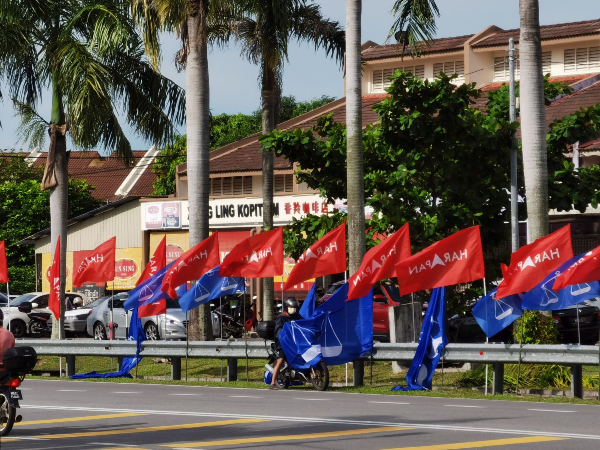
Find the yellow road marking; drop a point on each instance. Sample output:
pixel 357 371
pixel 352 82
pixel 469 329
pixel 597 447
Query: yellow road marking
pixel 147 429
pixel 287 438
pixel 77 419
pixel 479 444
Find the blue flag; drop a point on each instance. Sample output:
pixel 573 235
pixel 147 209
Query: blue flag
pixel 136 333
pixel 308 306
pixel 431 344
pixel 338 332
pixel 544 298
pixel 142 294
pixel 210 286
pixel 495 315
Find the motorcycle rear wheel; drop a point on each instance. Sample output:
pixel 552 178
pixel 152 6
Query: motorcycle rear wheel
pixel 7 415
pixel 320 379
pixel 36 329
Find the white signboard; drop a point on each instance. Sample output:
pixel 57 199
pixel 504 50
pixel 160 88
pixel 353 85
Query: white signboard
pixel 234 212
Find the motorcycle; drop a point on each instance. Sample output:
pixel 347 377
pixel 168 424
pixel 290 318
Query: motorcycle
pixel 38 324
pixel 232 319
pixel 18 362
pixel 318 376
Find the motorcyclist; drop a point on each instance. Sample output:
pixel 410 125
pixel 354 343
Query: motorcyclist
pixel 7 340
pixel 290 313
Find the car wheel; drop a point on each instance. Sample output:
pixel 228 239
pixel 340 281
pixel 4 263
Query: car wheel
pixel 99 332
pixel 18 328
pixel 151 331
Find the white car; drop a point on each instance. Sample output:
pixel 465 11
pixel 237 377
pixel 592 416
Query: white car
pixel 19 321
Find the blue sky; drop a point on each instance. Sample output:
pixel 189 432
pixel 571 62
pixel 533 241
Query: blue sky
pixel 233 81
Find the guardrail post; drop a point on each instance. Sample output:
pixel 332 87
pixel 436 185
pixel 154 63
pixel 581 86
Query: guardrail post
pixel 232 369
pixel 70 365
pixel 498 381
pixel 577 381
pixel 175 368
pixel 359 373
pixel 119 363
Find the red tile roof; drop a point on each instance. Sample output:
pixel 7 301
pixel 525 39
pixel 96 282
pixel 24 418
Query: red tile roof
pixel 589 146
pixel 105 173
pixel 444 45
pixel 584 98
pixel 547 32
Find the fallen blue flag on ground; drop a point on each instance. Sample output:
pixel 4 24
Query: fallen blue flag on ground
pixel 494 315
pixel 338 332
pixel 431 344
pixel 308 306
pixel 136 333
pixel 544 298
pixel 210 286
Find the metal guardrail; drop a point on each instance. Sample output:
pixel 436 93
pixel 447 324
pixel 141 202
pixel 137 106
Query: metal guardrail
pixel 477 353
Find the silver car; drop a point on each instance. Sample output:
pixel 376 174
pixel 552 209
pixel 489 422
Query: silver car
pixel 171 325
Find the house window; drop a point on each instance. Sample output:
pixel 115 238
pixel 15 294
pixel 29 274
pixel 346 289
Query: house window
pixel 585 59
pixel 231 186
pixel 450 68
pixel 381 77
pixel 283 183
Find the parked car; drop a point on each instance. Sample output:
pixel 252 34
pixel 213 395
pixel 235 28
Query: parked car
pixel 463 328
pixel 19 321
pixel 3 301
pixel 586 314
pixel 171 326
pixel 76 318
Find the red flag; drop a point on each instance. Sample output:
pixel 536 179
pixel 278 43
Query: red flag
pixel 194 263
pixel 157 262
pixel 54 297
pixel 456 259
pixel 324 257
pixel 3 265
pixel 530 264
pixel 98 265
pixel 585 270
pixel 256 257
pixel 379 263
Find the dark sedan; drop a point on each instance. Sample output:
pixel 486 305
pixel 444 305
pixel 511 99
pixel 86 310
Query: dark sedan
pixel 586 315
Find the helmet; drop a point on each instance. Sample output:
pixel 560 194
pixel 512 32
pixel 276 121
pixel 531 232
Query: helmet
pixel 290 305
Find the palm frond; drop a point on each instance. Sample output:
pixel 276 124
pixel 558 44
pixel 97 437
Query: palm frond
pixel 32 128
pixel 417 18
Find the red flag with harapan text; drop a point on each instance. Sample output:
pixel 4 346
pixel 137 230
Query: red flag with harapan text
pixel 54 297
pixel 259 256
pixel 456 259
pixel 530 264
pixel 585 270
pixel 194 263
pixel 157 262
pixel 98 265
pixel 3 265
pixel 324 257
pixel 380 263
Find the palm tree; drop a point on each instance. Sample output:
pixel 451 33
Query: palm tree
pixel 91 57
pixel 533 120
pixel 264 29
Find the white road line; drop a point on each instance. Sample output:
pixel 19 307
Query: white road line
pixel 464 406
pixel 321 420
pixel 244 396
pixel 125 392
pixel 71 390
pixel 392 403
pixel 551 410
pixel 312 399
pixel 185 394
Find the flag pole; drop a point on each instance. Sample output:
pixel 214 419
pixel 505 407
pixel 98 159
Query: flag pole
pixel 187 342
pixel 412 302
pixel 8 305
pixel 520 350
pixel 221 309
pixel 486 342
pixel 346 363
pixel 578 329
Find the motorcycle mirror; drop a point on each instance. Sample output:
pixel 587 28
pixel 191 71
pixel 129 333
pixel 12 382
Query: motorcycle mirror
pixel 35 305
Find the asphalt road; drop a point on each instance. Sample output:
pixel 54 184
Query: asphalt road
pixel 92 415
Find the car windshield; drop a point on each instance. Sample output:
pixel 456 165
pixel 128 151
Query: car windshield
pixel 333 288
pixel 97 302
pixel 172 304
pixel 22 299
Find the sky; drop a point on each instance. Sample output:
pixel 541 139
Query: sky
pixel 309 74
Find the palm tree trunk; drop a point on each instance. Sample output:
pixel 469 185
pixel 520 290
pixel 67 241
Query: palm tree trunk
pixel 59 198
pixel 197 113
pixel 533 120
pixel 268 125
pixel 354 152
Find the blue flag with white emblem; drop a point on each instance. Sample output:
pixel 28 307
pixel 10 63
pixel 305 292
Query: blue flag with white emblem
pixel 210 286
pixel 544 298
pixel 494 315
pixel 431 344
pixel 339 331
pixel 142 294
pixel 308 306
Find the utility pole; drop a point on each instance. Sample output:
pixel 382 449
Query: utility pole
pixel 514 190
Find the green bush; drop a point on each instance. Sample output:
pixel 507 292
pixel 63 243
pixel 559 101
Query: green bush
pixel 21 278
pixel 538 328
